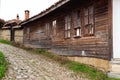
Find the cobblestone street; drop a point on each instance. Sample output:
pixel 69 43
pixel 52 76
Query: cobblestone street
pixel 29 66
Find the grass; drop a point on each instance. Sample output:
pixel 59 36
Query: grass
pixel 5 42
pixel 3 65
pixel 112 79
pixel 80 69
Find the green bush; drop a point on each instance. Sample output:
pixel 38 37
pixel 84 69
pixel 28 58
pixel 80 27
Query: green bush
pixel 5 42
pixel 3 65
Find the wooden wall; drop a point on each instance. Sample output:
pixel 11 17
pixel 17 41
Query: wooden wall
pixel 96 45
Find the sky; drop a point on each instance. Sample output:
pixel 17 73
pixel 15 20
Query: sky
pixel 10 8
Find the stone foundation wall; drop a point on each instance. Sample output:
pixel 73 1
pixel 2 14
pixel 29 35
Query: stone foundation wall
pixel 96 62
pixel 5 34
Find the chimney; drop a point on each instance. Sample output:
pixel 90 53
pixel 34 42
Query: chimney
pixel 17 17
pixel 26 14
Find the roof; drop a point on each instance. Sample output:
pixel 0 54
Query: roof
pixel 1 22
pixel 12 22
pixel 45 12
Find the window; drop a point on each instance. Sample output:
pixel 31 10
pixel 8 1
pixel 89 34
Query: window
pixel 47 28
pixel 77 23
pixel 54 27
pixel 77 32
pixel 89 21
pixel 67 26
pixel 28 33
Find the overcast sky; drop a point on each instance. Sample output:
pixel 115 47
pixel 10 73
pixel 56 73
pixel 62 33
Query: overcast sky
pixel 10 8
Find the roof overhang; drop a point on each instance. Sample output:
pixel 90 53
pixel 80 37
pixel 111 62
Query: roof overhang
pixel 45 12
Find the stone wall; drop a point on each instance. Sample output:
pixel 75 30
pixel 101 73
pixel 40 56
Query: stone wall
pixel 18 36
pixel 5 34
pixel 100 64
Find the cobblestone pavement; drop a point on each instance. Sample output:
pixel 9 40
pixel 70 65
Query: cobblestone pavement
pixel 24 65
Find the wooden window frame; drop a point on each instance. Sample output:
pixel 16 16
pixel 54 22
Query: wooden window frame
pixel 28 33
pixel 77 24
pixel 67 26
pixel 54 25
pixel 47 28
pixel 89 27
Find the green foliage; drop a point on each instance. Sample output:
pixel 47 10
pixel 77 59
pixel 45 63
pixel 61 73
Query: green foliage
pixel 41 50
pixel 3 65
pixel 5 42
pixel 112 79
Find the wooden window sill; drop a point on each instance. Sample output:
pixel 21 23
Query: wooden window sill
pixel 67 38
pixel 77 36
pixel 88 35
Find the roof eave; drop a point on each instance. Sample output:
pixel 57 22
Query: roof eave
pixel 44 13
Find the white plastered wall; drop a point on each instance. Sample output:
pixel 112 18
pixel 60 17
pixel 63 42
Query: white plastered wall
pixel 116 28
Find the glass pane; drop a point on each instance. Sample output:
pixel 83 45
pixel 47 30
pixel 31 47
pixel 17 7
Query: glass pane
pixel 86 20
pixel 65 34
pixel 78 23
pixel 86 11
pixel 91 30
pixel 91 10
pixel 78 14
pixel 86 30
pixel 65 26
pixel 68 35
pixel 69 18
pixel 66 19
pixel 69 25
pixel 28 30
pixel 91 19
pixel 78 32
pixel 47 26
pixel 54 23
pixel 75 24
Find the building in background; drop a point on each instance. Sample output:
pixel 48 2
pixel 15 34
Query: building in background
pixel 12 31
pixel 2 22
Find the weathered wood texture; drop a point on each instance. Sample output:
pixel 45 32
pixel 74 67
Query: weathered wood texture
pixel 96 45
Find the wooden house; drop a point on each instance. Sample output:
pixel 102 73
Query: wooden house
pixel 86 31
pixel 2 22
pixel 12 31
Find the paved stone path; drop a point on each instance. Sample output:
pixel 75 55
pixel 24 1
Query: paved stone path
pixel 24 65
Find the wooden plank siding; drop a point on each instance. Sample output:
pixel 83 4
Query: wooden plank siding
pixel 94 45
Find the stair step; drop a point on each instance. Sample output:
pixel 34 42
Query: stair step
pixel 113 75
pixel 115 66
